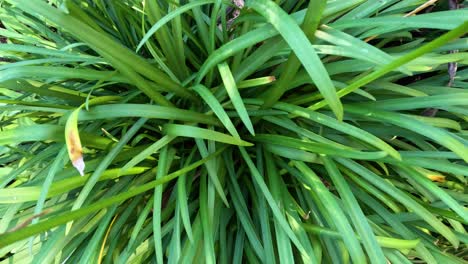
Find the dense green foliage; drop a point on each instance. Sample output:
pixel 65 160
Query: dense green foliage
pixel 284 131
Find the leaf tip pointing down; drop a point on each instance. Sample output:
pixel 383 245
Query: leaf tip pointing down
pixel 79 165
pixel 75 152
pixel 72 138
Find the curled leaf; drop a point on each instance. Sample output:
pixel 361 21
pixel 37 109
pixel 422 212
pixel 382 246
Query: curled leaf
pixel 72 138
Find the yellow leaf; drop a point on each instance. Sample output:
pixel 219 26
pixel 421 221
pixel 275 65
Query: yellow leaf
pixel 72 138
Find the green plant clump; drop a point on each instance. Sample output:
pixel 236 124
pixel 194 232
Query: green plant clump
pixel 216 131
